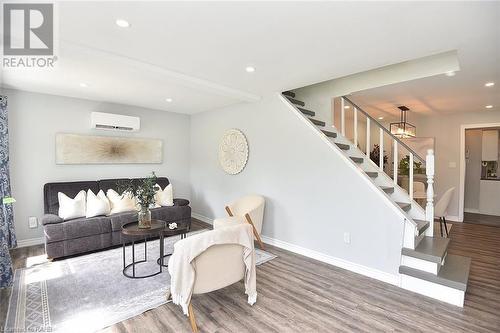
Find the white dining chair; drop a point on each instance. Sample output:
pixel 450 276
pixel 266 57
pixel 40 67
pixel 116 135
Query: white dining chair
pixel 441 209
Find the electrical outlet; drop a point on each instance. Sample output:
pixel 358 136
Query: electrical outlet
pixel 33 222
pixel 347 238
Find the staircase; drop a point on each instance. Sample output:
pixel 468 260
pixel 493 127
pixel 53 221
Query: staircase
pixel 426 267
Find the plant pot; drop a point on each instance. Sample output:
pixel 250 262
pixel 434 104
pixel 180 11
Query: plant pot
pixel 144 218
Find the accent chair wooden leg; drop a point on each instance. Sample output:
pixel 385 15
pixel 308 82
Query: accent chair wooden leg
pixel 228 210
pixel 445 226
pixel 192 320
pixel 249 220
pixel 441 225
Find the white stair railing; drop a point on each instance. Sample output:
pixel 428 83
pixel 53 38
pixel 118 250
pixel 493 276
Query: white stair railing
pixel 400 153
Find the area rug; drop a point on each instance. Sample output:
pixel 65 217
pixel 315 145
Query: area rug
pixel 88 293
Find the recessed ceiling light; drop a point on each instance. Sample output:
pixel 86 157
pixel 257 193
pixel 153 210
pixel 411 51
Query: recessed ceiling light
pixel 347 107
pixel 450 73
pixel 489 106
pixel 489 84
pixel 169 100
pixel 250 69
pixel 122 23
pixel 380 118
pixel 83 85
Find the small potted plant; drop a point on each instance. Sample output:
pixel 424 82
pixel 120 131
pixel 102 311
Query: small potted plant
pixel 144 191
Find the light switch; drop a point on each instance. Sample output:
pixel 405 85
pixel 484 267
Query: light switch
pixel 33 222
pixel 452 165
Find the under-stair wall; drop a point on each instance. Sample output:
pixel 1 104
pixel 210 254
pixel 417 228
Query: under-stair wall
pixel 316 203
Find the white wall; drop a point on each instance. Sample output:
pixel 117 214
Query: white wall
pixel 446 130
pixel 34 119
pixel 312 195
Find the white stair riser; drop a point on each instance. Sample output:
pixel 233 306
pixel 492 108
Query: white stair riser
pixel 422 265
pixel 434 290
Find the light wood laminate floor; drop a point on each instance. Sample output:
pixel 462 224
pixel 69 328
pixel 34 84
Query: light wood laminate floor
pixel 298 294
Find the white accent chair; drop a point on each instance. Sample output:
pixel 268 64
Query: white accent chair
pixel 216 268
pixel 249 209
pixel 441 208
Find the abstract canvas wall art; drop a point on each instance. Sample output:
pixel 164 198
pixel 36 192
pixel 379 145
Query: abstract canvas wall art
pixel 89 149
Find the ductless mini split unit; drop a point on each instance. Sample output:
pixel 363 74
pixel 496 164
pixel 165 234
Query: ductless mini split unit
pixel 114 122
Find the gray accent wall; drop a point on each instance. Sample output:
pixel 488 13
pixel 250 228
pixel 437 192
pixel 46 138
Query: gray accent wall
pixel 34 119
pixel 312 196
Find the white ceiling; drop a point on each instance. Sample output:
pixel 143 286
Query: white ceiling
pixel 196 52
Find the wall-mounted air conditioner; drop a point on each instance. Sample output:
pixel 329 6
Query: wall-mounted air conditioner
pixel 114 122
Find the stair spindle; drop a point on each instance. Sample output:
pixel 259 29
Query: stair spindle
pixel 368 137
pixel 342 116
pixel 395 165
pixel 381 149
pixel 429 208
pixel 355 127
pixel 410 174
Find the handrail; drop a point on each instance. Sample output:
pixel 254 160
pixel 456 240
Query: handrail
pixel 384 129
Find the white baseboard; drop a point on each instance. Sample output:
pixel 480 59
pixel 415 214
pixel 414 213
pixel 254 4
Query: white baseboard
pixel 472 210
pixel 453 218
pixel 30 242
pixel 202 218
pixel 360 269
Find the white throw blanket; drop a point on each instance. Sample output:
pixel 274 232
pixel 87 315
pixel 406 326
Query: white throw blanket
pixel 183 274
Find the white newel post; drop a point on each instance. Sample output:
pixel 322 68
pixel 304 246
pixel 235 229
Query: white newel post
pixel 429 208
pixel 342 116
pixel 395 165
pixel 355 127
pixel 368 137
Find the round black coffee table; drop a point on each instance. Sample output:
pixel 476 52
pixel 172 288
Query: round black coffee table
pixel 132 229
pixel 183 230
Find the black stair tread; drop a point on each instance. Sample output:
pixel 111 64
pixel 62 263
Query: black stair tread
pixel 317 122
pixel 421 225
pixel 289 94
pixel 372 174
pixel 404 206
pixel 330 134
pixel 387 189
pixel 429 249
pixel 307 112
pixel 343 146
pixel 357 159
pixel 454 273
pixel 296 101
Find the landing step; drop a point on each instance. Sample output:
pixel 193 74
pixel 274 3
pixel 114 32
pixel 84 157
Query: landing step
pixel 453 274
pixel 421 226
pixel 430 249
pixel 387 189
pixel 330 134
pixel 357 159
pixel 307 112
pixel 404 206
pixel 372 174
pixel 317 122
pixel 289 94
pixel 296 101
pixel 342 146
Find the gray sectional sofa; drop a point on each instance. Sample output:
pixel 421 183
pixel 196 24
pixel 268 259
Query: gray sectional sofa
pixel 68 237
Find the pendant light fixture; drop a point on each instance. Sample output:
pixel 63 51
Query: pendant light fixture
pixel 403 129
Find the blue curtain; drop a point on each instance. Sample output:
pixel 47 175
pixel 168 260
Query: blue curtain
pixel 7 236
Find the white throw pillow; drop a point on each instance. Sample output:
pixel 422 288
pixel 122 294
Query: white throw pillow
pixel 71 208
pixel 164 197
pixel 119 203
pixel 97 204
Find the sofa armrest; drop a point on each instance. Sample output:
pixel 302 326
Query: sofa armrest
pixel 181 202
pixel 51 219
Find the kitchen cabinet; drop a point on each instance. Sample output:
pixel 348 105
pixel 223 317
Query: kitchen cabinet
pixel 489 197
pixel 490 145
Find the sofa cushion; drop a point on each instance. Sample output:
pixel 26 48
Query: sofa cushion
pixel 77 228
pixel 118 220
pixel 171 214
pixel 51 219
pixel 71 189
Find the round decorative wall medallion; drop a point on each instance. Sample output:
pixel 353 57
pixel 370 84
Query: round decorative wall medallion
pixel 233 152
